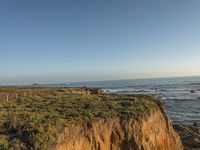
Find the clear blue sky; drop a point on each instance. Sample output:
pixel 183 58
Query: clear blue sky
pixel 49 41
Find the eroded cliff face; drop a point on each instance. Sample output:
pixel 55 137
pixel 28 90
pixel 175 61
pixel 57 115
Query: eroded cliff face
pixel 152 131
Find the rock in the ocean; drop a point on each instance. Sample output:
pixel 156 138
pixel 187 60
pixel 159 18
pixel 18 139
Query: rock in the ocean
pixel 196 124
pixel 190 136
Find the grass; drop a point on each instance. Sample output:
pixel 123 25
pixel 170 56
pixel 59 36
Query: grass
pixel 34 121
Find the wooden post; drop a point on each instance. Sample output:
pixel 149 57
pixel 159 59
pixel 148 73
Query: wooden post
pixel 30 93
pixel 7 98
pixel 16 96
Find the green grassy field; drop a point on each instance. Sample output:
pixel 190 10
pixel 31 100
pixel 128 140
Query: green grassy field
pixel 32 118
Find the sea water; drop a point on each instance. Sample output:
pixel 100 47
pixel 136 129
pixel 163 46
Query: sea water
pixel 181 96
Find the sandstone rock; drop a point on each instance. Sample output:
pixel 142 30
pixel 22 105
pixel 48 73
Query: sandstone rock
pixel 151 132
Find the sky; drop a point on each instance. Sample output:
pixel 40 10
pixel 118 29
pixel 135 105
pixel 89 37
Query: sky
pixel 53 41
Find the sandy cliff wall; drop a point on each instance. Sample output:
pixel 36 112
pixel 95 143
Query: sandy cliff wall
pixel 147 132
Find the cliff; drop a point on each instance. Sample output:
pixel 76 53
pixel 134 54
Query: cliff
pixel 147 132
pixel 83 119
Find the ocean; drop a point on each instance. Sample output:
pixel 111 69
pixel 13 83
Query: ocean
pixel 180 95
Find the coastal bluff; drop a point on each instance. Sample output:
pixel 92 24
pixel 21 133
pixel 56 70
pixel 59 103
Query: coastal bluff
pixel 83 119
pixel 149 132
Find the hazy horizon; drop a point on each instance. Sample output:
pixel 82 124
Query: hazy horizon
pixel 73 41
pixel 19 83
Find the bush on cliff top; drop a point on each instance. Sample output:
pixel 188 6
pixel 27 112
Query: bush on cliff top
pixel 34 122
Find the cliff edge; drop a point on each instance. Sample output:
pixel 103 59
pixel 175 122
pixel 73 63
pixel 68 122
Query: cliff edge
pixel 147 132
pixel 82 119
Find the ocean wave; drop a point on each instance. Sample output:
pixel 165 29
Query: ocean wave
pixel 129 90
pixel 196 83
pixel 150 90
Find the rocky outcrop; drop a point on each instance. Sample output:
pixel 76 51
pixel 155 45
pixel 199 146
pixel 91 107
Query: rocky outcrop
pixel 152 131
pixel 190 136
pixel 83 90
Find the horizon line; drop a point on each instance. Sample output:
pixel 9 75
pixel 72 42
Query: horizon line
pixel 53 83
